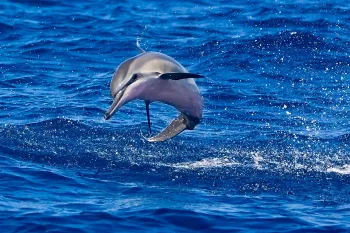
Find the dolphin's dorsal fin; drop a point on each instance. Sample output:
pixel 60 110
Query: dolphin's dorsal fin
pixel 178 76
pixel 141 50
pixel 177 126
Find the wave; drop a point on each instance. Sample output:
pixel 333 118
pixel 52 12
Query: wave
pixel 292 48
pixel 75 141
pixel 294 22
pixel 4 28
pixel 177 219
pixel 39 3
pixel 292 39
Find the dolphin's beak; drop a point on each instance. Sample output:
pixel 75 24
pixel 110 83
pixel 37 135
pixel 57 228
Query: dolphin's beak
pixel 118 97
pixel 115 105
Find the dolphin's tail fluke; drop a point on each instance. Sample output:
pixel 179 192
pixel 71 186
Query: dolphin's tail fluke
pixel 177 126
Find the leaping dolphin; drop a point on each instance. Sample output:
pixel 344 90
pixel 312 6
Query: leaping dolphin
pixel 153 76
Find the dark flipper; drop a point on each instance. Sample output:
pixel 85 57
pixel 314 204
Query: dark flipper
pixel 178 76
pixel 148 117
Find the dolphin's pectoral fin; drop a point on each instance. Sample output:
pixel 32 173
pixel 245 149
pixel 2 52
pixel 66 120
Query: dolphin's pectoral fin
pixel 178 125
pixel 148 116
pixel 178 76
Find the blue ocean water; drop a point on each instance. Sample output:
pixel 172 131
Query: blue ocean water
pixel 270 155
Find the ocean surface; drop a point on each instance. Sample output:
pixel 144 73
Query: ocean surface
pixel 271 154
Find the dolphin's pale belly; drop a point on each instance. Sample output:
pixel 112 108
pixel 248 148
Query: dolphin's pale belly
pixel 182 94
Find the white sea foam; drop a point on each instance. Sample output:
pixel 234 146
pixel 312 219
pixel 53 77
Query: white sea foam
pixel 344 170
pixel 271 160
pixel 206 163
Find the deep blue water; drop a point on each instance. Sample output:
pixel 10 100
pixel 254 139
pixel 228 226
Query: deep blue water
pixel 272 153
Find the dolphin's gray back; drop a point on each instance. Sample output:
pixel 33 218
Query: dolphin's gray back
pixel 155 62
pixel 145 63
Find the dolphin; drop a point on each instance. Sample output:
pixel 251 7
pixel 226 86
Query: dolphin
pixel 154 76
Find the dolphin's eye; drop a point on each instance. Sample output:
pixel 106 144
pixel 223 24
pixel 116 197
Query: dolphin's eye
pixel 131 80
pixel 134 77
